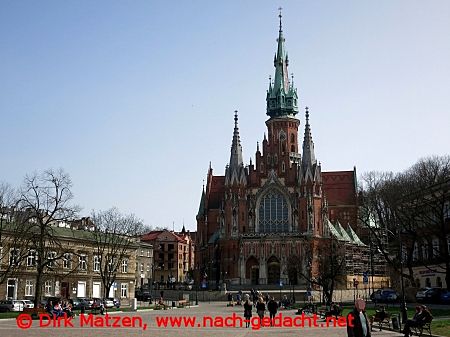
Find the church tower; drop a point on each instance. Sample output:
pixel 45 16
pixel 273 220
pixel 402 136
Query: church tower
pixel 261 223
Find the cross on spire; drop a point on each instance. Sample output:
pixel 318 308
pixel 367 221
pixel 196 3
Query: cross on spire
pixel 280 16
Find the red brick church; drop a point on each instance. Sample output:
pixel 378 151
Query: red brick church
pixel 256 218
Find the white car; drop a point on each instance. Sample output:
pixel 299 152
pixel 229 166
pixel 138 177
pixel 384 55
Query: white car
pixel 421 294
pixel 108 303
pixel 28 304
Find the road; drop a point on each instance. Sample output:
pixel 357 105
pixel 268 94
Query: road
pixel 145 324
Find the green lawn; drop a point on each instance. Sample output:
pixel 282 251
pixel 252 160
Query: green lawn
pixel 12 314
pixel 441 327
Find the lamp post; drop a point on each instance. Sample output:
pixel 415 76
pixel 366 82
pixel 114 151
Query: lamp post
pixel 402 284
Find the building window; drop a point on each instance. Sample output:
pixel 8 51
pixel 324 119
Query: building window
pixel 425 250
pixel 438 282
pixel 29 288
pixel 111 267
pixel 142 267
pixel 13 257
pixel 31 258
pixel 124 290
pixel 283 167
pixel 427 282
pixel 67 261
pixel 125 266
pixel 142 252
pixel 83 262
pixel 51 256
pixel 148 267
pixel 436 251
pixel 48 288
pixel 148 253
pixel 416 252
pixel 273 213
pixel 448 243
pixel 96 263
pixel 447 210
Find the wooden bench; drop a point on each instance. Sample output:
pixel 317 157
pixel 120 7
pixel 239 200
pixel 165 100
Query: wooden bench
pixel 418 330
pixel 380 317
pixel 34 312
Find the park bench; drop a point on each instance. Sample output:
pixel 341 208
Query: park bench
pixel 418 330
pixel 382 318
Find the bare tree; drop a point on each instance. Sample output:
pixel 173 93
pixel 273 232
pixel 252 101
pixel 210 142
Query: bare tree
pixel 44 205
pixel 13 242
pixel 326 265
pixel 114 239
pixel 407 207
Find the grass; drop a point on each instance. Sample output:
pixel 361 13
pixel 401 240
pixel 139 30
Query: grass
pixel 11 314
pixel 441 327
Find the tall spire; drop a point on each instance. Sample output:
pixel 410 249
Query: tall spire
pixel 308 158
pixel 236 148
pixel 281 95
pixel 281 74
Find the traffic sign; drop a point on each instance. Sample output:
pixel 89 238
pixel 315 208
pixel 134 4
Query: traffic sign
pixel 365 278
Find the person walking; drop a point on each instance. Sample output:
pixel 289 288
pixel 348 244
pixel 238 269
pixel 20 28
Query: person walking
pixel 272 306
pixel 248 307
pixel 357 323
pixel 260 309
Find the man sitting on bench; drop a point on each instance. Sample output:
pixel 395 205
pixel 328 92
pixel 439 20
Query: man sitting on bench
pixel 421 317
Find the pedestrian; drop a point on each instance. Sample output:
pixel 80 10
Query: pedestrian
pixel 357 322
pixel 260 309
pixel 247 310
pixel 272 306
pixel 230 299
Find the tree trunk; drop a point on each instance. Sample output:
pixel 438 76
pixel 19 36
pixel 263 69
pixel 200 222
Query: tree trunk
pixel 38 290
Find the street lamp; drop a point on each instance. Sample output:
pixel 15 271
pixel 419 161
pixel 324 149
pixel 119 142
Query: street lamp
pixel 402 284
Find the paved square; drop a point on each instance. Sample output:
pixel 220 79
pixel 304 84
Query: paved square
pixel 149 320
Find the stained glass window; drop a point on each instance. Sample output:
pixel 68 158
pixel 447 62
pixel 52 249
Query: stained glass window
pixel 273 213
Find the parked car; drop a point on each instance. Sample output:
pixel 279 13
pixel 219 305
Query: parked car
pixel 384 296
pixel 28 304
pixel 420 295
pixel 11 305
pixel 429 295
pixel 445 297
pixel 108 303
pixel 54 300
pixel 115 301
pixel 82 303
pixel 143 294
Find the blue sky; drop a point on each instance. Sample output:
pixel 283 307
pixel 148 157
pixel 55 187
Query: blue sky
pixel 135 98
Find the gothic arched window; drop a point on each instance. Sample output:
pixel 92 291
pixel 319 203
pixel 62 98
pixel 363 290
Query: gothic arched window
pixel 273 213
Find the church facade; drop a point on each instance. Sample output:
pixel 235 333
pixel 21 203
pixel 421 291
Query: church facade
pixel 258 220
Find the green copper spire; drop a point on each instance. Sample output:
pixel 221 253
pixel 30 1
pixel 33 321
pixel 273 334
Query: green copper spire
pixel 281 96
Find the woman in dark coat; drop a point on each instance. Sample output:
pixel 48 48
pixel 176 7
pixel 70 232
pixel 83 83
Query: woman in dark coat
pixel 248 306
pixel 260 309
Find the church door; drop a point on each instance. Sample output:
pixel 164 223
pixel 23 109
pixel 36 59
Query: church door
pixel 273 271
